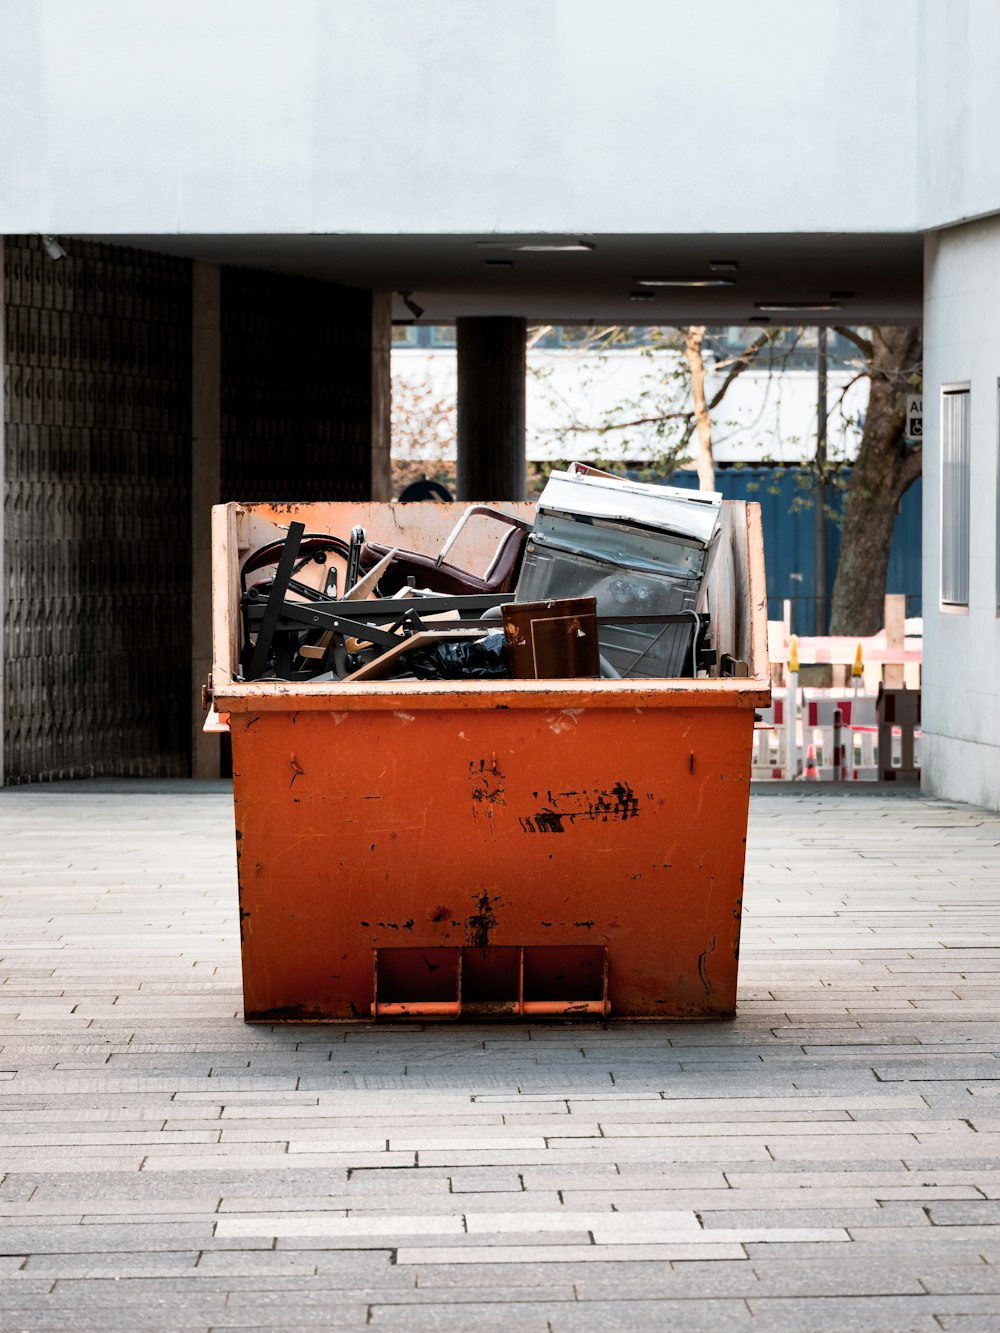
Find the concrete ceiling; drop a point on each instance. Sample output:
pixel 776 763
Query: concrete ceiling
pixel 450 276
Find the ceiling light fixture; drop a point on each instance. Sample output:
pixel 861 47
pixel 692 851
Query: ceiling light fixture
pixel 642 294
pixel 552 246
pixel 778 306
pixel 724 265
pixel 686 282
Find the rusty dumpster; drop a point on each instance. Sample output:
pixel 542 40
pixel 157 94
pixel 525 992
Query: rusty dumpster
pixel 509 848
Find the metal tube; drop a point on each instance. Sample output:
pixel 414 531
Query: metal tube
pixel 838 745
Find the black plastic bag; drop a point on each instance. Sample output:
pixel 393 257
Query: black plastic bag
pixel 466 659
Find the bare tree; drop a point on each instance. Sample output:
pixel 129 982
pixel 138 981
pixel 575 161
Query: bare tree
pixel 675 405
pixel 422 421
pixel 884 469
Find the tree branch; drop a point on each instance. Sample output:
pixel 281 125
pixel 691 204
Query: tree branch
pixel 740 364
pixel 839 400
pixel 862 344
pixel 584 428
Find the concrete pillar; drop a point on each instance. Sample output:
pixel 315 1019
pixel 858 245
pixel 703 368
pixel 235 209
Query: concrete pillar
pixel 491 370
pixel 381 396
pixel 206 468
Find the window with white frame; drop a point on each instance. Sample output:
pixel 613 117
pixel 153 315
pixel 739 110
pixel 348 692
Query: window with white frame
pixel 955 489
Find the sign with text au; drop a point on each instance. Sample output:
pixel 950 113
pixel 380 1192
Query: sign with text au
pixel 915 416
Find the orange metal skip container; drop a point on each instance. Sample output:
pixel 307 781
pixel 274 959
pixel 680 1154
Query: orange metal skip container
pixel 510 848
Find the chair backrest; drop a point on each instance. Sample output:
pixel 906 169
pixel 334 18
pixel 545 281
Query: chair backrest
pixel 439 575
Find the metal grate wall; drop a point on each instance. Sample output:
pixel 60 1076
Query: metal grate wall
pixel 97 634
pixel 296 388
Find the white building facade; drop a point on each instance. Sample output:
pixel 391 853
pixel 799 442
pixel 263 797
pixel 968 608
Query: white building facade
pixel 385 147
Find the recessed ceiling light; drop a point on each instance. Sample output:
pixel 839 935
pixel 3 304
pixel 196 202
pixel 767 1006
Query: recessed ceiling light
pixel 686 282
pixel 543 246
pixel 724 265
pixel 642 294
pixel 796 305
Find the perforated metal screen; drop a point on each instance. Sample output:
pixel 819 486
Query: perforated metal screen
pixel 296 388
pixel 97 512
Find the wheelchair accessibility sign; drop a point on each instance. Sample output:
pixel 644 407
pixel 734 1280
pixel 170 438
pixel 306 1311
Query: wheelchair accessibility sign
pixel 915 417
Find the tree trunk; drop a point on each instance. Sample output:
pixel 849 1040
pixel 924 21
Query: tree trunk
pixel 704 461
pixel 884 469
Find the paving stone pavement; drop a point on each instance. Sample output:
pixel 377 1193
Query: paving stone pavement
pixel 830 1160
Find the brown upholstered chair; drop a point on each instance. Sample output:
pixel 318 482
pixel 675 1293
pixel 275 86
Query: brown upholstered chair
pixel 428 571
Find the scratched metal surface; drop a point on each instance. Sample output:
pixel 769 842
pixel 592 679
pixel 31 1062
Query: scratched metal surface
pixel 492 826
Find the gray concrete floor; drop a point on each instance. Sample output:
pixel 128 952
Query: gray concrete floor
pixel 828 1161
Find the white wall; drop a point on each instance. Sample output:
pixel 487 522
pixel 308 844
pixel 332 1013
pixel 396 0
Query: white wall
pixel 458 116
pixel 961 676
pixel 959 110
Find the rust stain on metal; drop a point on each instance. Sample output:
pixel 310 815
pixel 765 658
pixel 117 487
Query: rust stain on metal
pixel 479 925
pixel 487 779
pixel 487 788
pixel 563 809
pixel 289 1013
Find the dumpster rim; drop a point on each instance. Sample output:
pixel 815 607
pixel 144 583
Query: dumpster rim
pixel 376 696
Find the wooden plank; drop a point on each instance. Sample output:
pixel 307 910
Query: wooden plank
pixel 380 667
pixel 756 592
pixel 225 594
pixel 895 639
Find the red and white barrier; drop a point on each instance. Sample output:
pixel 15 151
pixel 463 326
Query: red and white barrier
pixel 774 744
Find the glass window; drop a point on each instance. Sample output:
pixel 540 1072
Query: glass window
pixel 955 492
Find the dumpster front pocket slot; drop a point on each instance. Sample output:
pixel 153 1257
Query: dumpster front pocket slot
pixel 491 981
pixel 565 979
pixel 495 981
pixel 418 983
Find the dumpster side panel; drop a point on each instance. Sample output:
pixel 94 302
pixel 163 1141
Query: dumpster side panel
pixel 491 827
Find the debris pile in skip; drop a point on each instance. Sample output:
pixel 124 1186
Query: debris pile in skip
pixel 611 580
